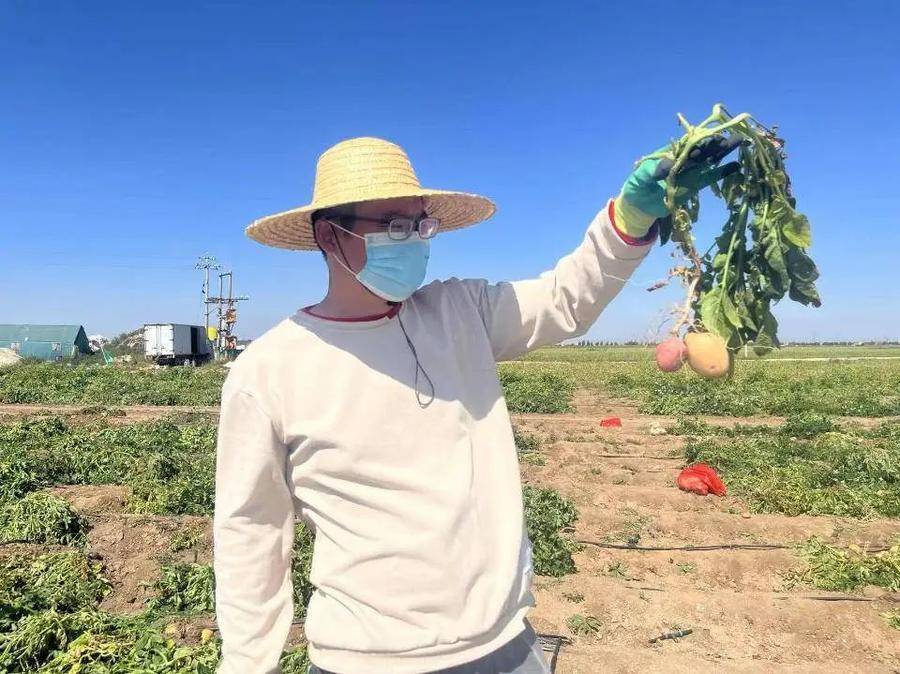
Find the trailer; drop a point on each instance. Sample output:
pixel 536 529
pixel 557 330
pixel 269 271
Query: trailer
pixel 176 344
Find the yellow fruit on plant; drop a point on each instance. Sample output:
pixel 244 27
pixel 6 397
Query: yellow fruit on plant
pixel 206 635
pixel 707 354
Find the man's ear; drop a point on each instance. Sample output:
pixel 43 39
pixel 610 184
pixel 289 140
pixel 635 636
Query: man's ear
pixel 324 234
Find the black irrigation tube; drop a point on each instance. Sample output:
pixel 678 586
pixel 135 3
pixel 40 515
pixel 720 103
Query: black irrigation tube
pixel 687 548
pixel 705 548
pixel 636 456
pixel 801 596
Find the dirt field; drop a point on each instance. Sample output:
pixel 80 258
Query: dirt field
pixel 622 481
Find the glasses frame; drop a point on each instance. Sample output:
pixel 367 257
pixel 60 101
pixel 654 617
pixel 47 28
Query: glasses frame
pixel 406 232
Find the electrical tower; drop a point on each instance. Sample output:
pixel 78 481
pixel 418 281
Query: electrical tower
pixel 222 306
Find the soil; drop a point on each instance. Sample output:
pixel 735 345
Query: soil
pixel 743 615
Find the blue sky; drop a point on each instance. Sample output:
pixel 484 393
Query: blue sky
pixel 137 136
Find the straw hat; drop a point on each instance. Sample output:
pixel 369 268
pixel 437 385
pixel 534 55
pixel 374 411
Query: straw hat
pixel 365 169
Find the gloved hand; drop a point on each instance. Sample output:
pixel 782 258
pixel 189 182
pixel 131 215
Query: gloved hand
pixel 642 199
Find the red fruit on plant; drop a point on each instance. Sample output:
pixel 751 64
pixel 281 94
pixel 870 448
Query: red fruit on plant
pixel 671 354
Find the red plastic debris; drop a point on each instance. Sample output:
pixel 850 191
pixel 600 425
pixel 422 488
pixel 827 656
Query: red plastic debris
pixel 701 479
pixel 611 422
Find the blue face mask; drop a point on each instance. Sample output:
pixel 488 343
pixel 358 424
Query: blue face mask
pixel 394 269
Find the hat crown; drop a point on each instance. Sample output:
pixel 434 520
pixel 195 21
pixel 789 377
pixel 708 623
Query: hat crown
pixel 360 169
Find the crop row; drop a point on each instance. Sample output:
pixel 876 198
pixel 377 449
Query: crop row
pixel 859 388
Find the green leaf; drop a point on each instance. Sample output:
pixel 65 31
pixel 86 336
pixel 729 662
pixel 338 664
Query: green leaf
pixel 766 339
pixel 796 230
pixel 713 315
pixel 803 274
pixel 730 311
pixel 805 293
pixel 744 312
pixel 774 256
pixel 801 267
pixel 733 186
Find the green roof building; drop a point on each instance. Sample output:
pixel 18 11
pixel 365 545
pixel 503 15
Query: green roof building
pixel 49 342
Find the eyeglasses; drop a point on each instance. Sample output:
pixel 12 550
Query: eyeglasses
pixel 401 228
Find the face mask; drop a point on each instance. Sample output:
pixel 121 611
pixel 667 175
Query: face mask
pixel 394 269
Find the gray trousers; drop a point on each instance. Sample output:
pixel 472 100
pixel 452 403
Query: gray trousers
pixel 522 655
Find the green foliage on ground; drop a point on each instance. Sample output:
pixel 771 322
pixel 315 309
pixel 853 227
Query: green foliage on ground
pixel 185 589
pixel 50 622
pixel 73 384
pixel 301 562
pixel 40 517
pixel 847 569
pixel 528 448
pixel 190 588
pixel 526 442
pixel 66 581
pixel 546 514
pixel 584 625
pixel 854 388
pixel 541 382
pixel 843 389
pixel 88 640
pixel 541 392
pixel 892 618
pixel 808 465
pixel 170 467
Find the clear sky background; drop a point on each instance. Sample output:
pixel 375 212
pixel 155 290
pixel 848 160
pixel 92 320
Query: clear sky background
pixel 135 137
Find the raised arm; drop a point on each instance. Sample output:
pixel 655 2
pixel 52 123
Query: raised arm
pixel 562 302
pixel 253 531
pixel 565 301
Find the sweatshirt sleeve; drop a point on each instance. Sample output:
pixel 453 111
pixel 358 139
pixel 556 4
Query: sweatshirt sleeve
pixel 562 302
pixel 253 528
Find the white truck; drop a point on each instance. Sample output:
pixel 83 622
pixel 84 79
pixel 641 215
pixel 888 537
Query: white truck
pixel 176 344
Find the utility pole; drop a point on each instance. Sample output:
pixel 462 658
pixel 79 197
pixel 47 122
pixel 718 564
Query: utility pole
pixel 227 311
pixel 206 262
pixel 224 305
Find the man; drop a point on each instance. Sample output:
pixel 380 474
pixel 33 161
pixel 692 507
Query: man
pixel 377 416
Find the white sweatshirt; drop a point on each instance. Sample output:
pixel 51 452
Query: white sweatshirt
pixel 421 558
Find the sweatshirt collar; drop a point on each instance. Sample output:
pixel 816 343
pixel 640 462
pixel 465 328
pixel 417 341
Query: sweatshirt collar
pixel 309 319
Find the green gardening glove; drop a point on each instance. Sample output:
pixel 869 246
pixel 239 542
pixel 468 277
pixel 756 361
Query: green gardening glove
pixel 642 199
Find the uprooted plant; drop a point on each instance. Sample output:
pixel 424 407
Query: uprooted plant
pixel 759 257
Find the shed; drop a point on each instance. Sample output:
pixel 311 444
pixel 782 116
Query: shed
pixel 49 342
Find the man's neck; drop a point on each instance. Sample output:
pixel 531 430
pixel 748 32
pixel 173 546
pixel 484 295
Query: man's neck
pixel 351 307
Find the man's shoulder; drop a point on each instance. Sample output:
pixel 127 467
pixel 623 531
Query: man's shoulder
pixel 452 286
pixel 268 353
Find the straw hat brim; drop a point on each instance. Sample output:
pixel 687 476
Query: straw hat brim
pixel 293 229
